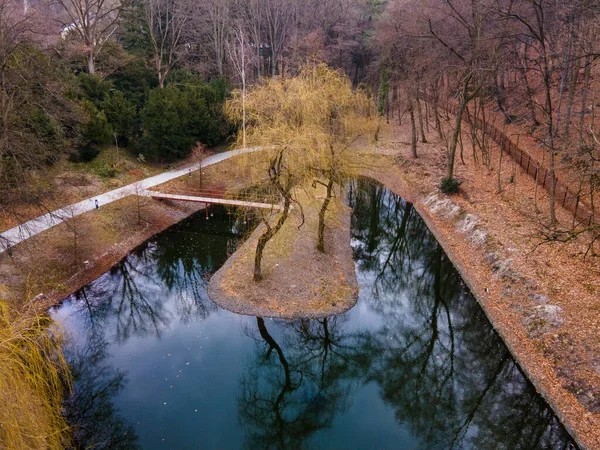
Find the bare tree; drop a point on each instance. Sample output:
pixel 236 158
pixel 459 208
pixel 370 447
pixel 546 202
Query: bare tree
pixel 72 220
pixel 278 20
pixel 168 23
pixel 141 199
pixel 238 50
pixel 214 17
pixel 413 128
pixel 93 22
pixel 30 91
pixel 251 13
pixel 537 18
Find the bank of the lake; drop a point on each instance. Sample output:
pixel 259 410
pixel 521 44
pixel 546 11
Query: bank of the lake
pixel 48 267
pixel 490 238
pixel 62 278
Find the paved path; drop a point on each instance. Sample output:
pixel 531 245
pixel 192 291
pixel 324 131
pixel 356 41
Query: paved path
pixel 28 229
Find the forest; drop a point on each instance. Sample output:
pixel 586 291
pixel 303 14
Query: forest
pixel 158 82
pixel 151 76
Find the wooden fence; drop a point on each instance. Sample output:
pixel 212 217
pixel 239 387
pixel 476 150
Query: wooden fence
pixel 571 201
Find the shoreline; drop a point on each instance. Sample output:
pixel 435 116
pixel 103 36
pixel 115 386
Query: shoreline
pixel 96 267
pixel 571 414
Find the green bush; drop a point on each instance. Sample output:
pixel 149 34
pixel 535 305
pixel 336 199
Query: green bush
pixel 106 170
pixel 122 116
pixel 96 131
pixel 85 153
pixel 166 118
pixel 450 185
pixel 182 113
pixel 135 81
pixel 94 88
pixel 207 122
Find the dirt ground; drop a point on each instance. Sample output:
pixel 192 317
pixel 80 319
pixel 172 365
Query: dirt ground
pixel 543 299
pixel 50 266
pixel 66 183
pixel 299 281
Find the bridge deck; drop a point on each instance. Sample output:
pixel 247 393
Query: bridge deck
pixel 211 200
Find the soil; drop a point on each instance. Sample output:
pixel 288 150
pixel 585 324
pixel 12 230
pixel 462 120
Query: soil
pixel 299 282
pixel 48 267
pixel 67 183
pixel 544 300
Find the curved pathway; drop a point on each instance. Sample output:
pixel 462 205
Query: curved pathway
pixel 35 226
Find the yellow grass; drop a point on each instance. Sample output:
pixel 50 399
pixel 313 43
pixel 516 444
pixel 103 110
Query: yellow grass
pixel 33 373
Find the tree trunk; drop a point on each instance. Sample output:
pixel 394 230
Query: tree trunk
pixel 564 79
pixel 274 173
pixel 500 170
pixel 584 96
pixel 501 96
pixel 436 115
pixel 552 186
pixel 550 125
pixel 427 113
pixel 572 89
pixel 321 237
pixel 413 128
pixel 420 116
pixel 524 68
pixel 456 135
pixel 265 238
pixel 91 64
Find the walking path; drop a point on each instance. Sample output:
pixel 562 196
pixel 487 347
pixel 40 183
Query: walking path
pixel 35 226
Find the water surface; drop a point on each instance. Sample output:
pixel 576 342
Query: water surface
pixel 415 365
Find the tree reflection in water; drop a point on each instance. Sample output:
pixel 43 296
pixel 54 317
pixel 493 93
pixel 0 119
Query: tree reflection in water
pixel 132 294
pixel 286 396
pixel 129 301
pixel 438 363
pixel 89 410
pixel 440 372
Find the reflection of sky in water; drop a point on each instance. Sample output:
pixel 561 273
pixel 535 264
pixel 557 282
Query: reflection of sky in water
pixel 413 365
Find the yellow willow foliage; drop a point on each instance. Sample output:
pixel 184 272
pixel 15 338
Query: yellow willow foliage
pixel 33 374
pixel 316 117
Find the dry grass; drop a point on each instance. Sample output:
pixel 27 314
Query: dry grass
pixel 67 183
pixel 299 281
pixel 33 375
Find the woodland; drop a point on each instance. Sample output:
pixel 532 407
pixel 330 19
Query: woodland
pixel 154 80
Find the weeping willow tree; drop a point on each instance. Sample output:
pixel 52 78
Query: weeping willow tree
pixel 33 376
pixel 306 126
pixel 276 122
pixel 338 117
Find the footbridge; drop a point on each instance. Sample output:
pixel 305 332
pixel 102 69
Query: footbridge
pixel 213 197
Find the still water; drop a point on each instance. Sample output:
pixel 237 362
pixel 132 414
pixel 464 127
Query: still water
pixel 414 365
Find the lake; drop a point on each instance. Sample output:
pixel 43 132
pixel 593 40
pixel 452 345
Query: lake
pixel 414 365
